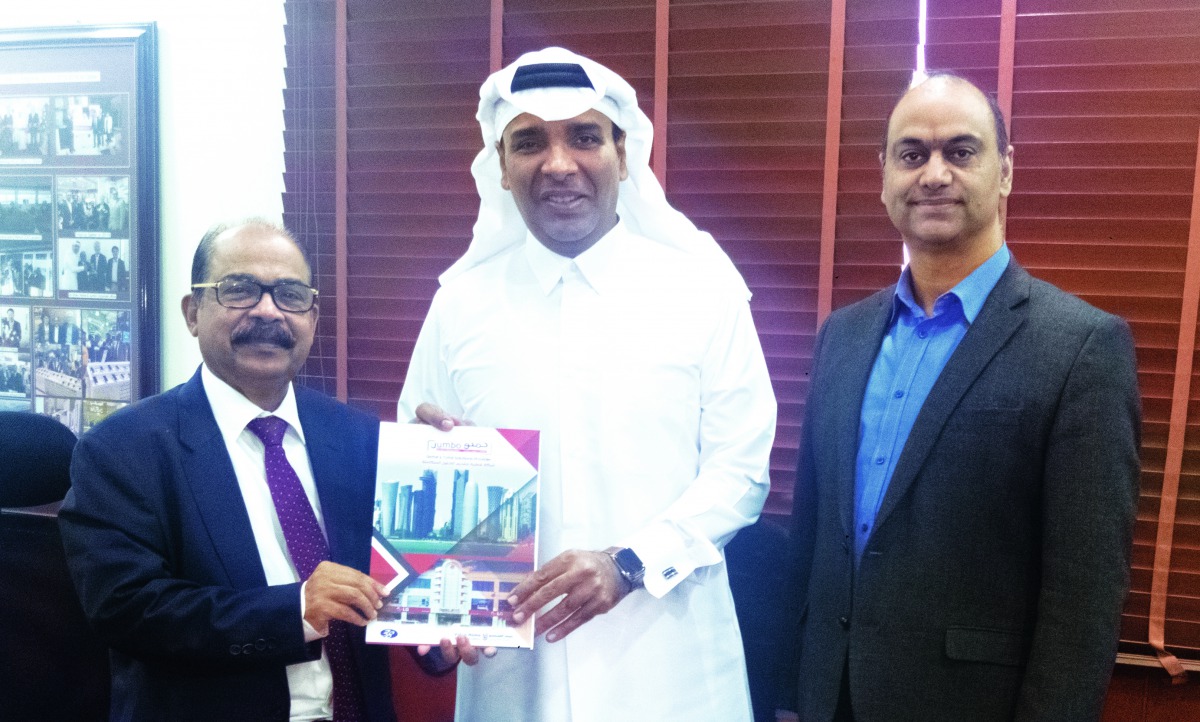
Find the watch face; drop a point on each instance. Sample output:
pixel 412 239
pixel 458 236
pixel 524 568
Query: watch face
pixel 629 561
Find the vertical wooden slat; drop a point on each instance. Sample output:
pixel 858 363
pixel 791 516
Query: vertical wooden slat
pixel 1008 45
pixel 833 141
pixel 340 188
pixel 1176 433
pixel 1004 76
pixel 496 58
pixel 662 32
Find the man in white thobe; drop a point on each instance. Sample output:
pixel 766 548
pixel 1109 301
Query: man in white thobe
pixel 589 309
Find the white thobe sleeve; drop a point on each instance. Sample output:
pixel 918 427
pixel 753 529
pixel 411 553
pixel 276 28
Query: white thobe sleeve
pixel 427 379
pixel 737 429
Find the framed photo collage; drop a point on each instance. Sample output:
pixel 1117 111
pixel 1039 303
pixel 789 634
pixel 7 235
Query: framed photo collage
pixel 78 222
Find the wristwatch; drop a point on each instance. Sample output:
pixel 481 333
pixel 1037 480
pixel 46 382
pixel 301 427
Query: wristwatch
pixel 628 564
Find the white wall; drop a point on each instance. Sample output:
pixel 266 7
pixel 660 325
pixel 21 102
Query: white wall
pixel 220 75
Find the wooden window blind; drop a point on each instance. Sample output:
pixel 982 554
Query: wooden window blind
pixel 308 197
pixel 745 155
pixel 1106 113
pixel 413 73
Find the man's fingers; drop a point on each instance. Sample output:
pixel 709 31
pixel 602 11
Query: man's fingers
pixel 449 651
pixel 585 601
pixel 427 413
pixel 433 415
pixel 460 649
pixel 332 573
pixel 576 620
pixel 567 606
pixel 585 583
pixel 352 608
pixel 467 652
pixel 541 597
pixel 358 592
pixel 334 591
pixel 538 589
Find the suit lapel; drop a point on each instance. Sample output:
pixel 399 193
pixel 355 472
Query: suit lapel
pixel 328 461
pixel 854 356
pixel 214 487
pixel 1002 314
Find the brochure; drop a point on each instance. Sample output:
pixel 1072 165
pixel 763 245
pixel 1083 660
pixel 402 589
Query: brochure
pixel 455 531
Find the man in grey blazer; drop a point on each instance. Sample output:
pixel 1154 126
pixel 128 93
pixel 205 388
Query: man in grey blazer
pixel 969 461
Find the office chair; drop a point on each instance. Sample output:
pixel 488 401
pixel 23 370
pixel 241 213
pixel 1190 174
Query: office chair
pixel 53 667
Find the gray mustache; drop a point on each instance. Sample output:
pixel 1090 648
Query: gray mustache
pixel 264 332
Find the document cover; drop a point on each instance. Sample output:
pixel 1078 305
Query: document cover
pixel 455 531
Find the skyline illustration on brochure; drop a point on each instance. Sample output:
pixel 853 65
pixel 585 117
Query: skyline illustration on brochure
pixel 455 530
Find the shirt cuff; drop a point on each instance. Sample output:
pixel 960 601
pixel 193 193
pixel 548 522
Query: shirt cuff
pixel 310 632
pixel 668 558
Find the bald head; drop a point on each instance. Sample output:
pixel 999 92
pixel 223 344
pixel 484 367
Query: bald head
pixel 943 78
pixel 203 256
pixel 944 177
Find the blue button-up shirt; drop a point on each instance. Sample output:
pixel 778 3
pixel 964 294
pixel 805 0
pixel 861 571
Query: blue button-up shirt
pixel 914 352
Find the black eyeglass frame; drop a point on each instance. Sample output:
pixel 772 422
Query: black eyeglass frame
pixel 263 288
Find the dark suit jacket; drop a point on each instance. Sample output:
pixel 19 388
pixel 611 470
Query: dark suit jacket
pixel 68 333
pixel 97 268
pixel 992 585
pixel 163 557
pixel 122 283
pixel 11 333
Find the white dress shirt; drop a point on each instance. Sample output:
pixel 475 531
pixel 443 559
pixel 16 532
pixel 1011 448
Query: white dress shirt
pixel 641 367
pixel 310 683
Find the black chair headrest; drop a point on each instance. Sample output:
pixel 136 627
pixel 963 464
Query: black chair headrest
pixel 35 459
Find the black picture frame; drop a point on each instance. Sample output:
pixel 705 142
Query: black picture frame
pixel 79 220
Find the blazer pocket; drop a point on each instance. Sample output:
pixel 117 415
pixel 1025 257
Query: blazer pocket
pixel 993 646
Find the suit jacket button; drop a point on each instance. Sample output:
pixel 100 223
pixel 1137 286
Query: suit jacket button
pixel 844 621
pixel 248 648
pixel 235 649
pixel 260 644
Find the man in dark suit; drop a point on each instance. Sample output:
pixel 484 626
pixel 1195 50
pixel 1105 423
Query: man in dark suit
pixel 97 269
pixel 43 333
pixel 10 330
pixel 117 276
pixel 219 533
pixel 92 346
pixel 968 469
pixel 36 287
pixel 67 333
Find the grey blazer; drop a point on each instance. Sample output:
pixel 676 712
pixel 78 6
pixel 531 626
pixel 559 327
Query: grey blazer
pixel 992 585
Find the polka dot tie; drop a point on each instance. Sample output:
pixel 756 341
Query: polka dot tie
pixel 307 548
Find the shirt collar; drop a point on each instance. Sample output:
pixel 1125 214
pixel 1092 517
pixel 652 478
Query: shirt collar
pixel 233 411
pixel 594 264
pixel 971 292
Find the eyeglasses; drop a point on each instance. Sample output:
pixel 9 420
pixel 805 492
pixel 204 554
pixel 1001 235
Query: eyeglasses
pixel 290 296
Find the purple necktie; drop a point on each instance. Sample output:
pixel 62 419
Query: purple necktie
pixel 306 545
